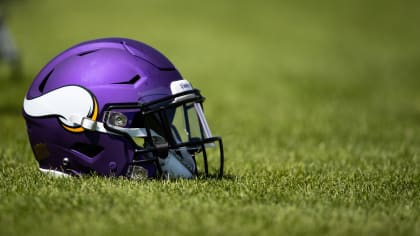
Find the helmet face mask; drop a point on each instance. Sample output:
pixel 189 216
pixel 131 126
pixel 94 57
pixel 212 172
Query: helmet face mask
pixel 151 125
pixel 170 127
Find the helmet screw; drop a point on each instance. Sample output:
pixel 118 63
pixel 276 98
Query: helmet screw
pixel 112 166
pixel 66 161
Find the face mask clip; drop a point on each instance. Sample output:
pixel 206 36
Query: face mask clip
pixel 162 150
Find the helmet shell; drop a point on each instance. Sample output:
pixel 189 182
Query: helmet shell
pixel 113 70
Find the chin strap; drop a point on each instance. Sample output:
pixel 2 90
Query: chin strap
pixel 179 165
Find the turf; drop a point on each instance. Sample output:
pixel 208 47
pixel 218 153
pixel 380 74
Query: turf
pixel 317 103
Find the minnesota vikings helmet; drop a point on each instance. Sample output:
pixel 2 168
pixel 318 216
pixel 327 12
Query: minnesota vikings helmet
pixel 117 107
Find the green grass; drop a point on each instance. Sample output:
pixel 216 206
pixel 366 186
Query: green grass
pixel 318 104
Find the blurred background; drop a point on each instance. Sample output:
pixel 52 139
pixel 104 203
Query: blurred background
pixel 278 75
pixel 317 102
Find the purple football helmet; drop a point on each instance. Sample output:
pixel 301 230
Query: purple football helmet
pixel 117 107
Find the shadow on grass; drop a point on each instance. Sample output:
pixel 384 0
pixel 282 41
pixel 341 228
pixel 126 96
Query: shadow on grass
pixel 212 177
pixel 203 177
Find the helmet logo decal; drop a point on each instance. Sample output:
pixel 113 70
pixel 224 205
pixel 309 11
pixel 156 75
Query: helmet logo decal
pixel 63 103
pixel 180 86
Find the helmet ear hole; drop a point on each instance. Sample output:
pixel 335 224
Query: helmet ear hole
pixel 139 141
pixel 89 150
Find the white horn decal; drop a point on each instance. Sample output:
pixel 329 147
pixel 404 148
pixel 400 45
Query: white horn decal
pixel 64 102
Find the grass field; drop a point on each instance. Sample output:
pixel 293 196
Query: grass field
pixel 318 104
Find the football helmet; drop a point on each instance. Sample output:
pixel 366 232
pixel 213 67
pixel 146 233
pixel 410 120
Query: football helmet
pixel 117 107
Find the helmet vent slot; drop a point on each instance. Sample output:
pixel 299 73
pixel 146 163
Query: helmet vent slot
pixel 87 52
pixel 89 150
pixel 44 81
pixel 131 81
